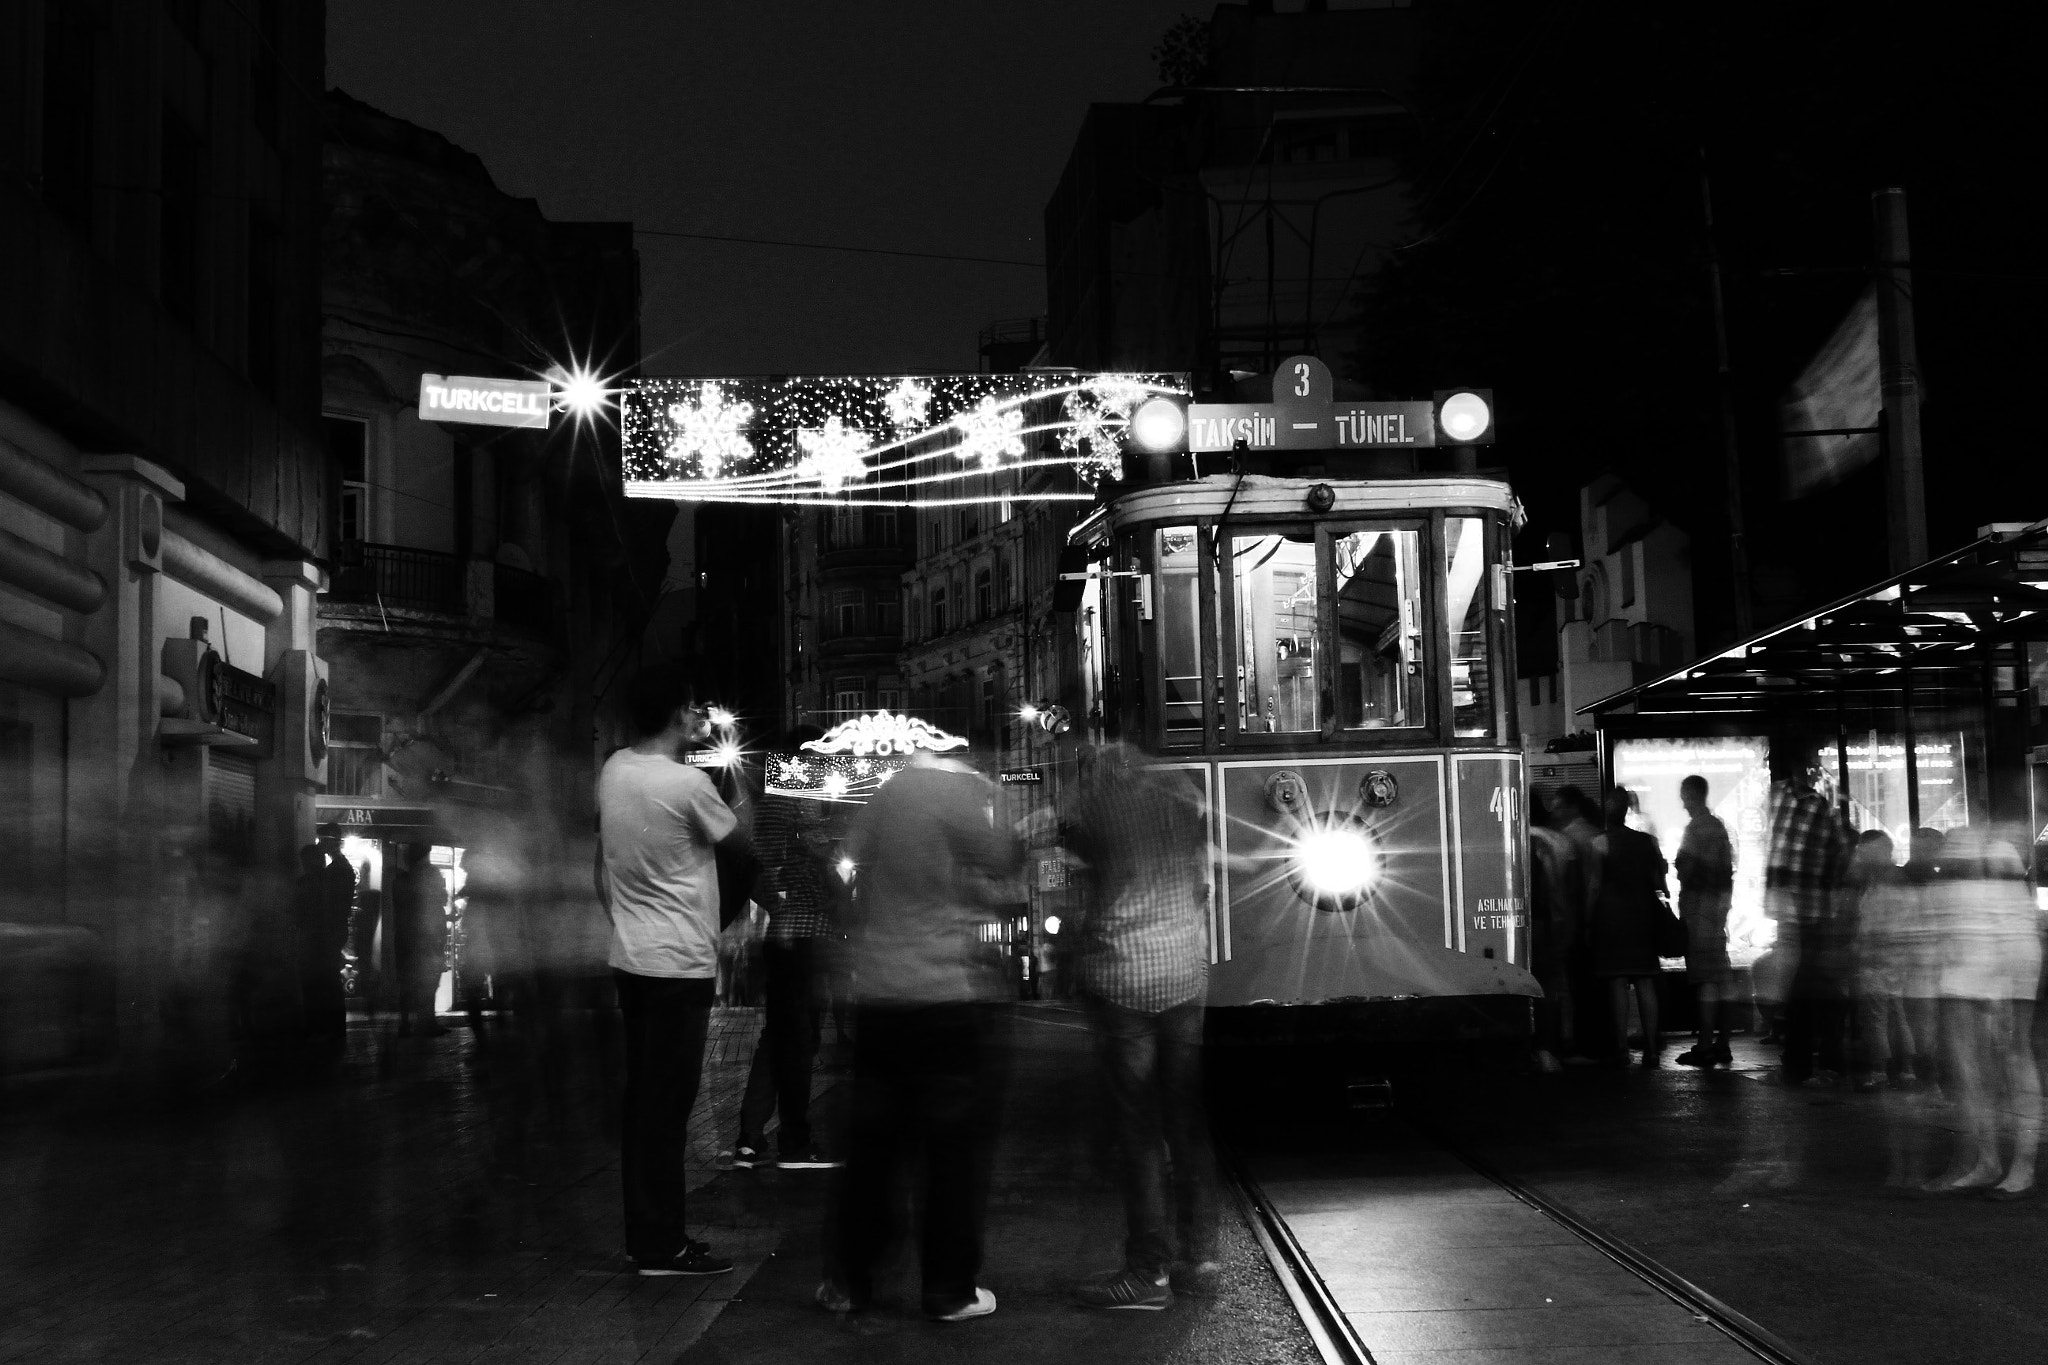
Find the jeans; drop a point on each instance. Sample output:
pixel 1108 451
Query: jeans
pixel 666 1022
pixel 923 1076
pixel 781 1075
pixel 1153 1066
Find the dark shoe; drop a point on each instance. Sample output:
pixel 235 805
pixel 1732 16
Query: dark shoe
pixel 1127 1289
pixel 1696 1056
pixel 1653 1061
pixel 694 1259
pixel 980 1306
pixel 809 1159
pixel 1722 1055
pixel 746 1157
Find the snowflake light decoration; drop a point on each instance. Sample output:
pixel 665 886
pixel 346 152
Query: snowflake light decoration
pixel 1121 393
pixel 909 404
pixel 988 433
pixel 1091 438
pixel 834 454
pixel 710 430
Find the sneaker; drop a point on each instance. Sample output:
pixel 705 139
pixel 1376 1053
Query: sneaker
pixel 1201 1278
pixel 694 1259
pixel 980 1306
pixel 1127 1289
pixel 746 1157
pixel 809 1159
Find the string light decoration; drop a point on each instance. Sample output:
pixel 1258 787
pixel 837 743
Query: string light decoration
pixel 887 440
pixel 852 760
pixel 708 430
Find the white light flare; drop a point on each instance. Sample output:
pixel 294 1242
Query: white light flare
pixel 721 717
pixel 1464 416
pixel 1052 924
pixel 1159 424
pixel 1340 863
pixel 846 869
pixel 580 392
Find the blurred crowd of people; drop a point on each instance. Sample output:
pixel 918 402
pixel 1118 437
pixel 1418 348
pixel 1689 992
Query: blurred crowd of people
pixel 1911 974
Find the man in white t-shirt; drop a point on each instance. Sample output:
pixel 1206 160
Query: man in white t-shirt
pixel 659 821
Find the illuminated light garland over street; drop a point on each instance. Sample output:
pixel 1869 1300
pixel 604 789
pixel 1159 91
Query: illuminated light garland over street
pixel 883 440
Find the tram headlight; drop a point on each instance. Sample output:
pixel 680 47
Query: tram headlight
pixel 1340 863
pixel 1464 417
pixel 1159 425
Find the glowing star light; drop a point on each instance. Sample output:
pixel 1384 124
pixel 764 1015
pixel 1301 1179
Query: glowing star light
pixel 988 433
pixel 710 430
pixel 908 403
pixel 834 454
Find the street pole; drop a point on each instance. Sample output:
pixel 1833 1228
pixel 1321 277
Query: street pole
pixel 1899 383
pixel 1731 454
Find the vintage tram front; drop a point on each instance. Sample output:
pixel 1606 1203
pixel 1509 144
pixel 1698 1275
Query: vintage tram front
pixel 1328 662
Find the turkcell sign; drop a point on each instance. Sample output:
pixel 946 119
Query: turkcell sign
pixel 1309 426
pixel 485 402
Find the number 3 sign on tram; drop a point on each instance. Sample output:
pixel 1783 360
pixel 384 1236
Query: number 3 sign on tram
pixel 1306 415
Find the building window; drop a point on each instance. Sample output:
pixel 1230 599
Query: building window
pixel 970 522
pixel 939 609
pixel 69 93
pixel 932 538
pixel 914 620
pixel 888 618
pixel 1628 574
pixel 888 699
pixel 842 529
pixel 850 695
pixel 885 527
pixel 846 611
pixel 1006 582
pixel 355 755
pixel 348 447
pixel 984 595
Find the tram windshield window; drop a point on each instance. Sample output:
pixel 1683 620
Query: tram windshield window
pixel 1379 629
pixel 1466 610
pixel 1275 583
pixel 1180 632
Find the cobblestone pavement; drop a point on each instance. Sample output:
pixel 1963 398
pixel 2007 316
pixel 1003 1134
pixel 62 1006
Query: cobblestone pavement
pixel 433 1200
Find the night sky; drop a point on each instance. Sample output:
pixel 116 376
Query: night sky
pixel 915 126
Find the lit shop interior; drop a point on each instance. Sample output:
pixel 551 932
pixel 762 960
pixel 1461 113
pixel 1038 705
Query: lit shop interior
pixel 1920 699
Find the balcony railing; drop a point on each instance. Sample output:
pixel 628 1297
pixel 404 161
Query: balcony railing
pixel 400 576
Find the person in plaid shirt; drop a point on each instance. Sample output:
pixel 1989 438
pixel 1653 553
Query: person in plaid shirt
pixel 1143 965
pixel 1810 851
pixel 790 839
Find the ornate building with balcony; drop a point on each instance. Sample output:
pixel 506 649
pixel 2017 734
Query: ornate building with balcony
pixel 843 576
pixel 488 582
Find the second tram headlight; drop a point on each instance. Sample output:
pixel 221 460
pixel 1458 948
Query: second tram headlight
pixel 1464 417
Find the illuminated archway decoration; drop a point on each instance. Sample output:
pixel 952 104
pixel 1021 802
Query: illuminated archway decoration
pixel 852 760
pixel 887 440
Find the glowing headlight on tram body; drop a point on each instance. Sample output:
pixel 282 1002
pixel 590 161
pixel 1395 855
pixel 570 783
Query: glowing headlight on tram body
pixel 1159 424
pixel 1465 417
pixel 1340 864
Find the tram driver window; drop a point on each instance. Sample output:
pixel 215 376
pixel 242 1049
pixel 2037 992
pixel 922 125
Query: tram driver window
pixel 1379 629
pixel 1466 611
pixel 1179 611
pixel 1275 581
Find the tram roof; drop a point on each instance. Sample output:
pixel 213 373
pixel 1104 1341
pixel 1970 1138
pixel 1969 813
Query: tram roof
pixel 1942 618
pixel 1270 496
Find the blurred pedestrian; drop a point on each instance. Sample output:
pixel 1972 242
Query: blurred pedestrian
pixel 790 840
pixel 1808 859
pixel 1884 911
pixel 320 912
pixel 1557 894
pixel 1990 976
pixel 1706 884
pixel 1143 968
pixel 927 1059
pixel 420 907
pixel 1627 893
pixel 1576 817
pixel 660 824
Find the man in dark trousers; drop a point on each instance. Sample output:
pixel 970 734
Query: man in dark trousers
pixel 1809 857
pixel 661 826
pixel 926 1058
pixel 1143 966
pixel 791 842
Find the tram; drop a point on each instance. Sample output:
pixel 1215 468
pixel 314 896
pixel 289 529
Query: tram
pixel 1328 664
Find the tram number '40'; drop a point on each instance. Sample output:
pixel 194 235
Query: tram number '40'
pixel 1502 806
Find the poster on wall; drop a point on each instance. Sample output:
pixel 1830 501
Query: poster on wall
pixel 1738 774
pixel 1877 783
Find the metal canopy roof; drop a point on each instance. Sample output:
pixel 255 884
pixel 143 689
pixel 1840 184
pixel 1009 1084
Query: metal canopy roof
pixel 1944 619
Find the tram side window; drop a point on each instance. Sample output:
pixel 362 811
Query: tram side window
pixel 1180 632
pixel 1379 629
pixel 1275 582
pixel 1466 611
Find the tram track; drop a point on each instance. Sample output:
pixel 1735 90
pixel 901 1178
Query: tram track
pixel 1337 1340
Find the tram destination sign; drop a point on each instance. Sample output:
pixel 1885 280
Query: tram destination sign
pixel 1305 426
